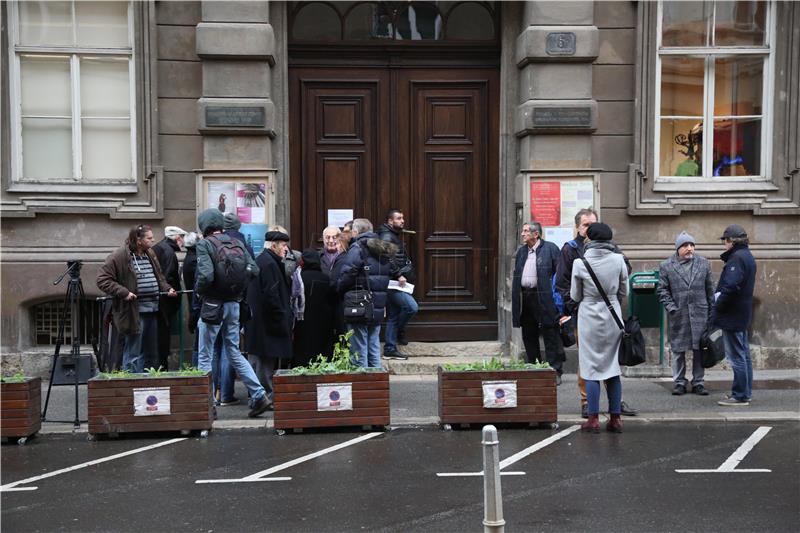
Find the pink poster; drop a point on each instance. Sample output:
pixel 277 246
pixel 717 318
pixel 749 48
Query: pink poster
pixel 546 202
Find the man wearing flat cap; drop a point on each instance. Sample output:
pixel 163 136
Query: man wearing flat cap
pixel 166 251
pixel 268 334
pixel 733 311
pixel 686 291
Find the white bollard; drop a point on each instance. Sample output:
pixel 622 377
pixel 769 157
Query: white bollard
pixel 492 497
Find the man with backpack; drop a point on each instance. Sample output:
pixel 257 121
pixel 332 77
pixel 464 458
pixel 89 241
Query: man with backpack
pixel 224 269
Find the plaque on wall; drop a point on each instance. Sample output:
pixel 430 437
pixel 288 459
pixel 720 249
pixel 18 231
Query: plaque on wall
pixel 560 44
pixel 560 117
pixel 228 116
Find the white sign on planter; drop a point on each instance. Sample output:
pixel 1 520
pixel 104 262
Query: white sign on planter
pixel 335 397
pixel 151 401
pixel 499 394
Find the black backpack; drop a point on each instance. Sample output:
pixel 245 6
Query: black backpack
pixel 230 268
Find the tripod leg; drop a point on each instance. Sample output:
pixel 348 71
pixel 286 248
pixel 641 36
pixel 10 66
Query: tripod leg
pixel 76 289
pixel 62 321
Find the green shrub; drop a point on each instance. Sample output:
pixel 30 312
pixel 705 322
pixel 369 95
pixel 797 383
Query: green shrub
pixel 340 362
pixel 16 378
pixel 494 364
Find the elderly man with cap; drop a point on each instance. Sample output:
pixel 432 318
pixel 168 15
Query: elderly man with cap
pixel 733 311
pixel 166 251
pixel 686 291
pixel 268 334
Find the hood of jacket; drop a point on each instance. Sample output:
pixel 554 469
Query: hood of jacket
pixel 210 218
pixel 379 249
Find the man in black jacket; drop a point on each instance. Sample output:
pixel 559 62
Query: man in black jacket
pixel 400 306
pixel 166 251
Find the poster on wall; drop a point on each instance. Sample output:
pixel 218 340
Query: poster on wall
pixel 555 202
pixel 222 195
pixel 254 236
pixel 250 202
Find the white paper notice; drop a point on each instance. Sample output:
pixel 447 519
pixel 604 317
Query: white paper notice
pixel 575 195
pixel 338 217
pixel 335 397
pixel 394 285
pixel 151 401
pixel 499 394
pixel 558 236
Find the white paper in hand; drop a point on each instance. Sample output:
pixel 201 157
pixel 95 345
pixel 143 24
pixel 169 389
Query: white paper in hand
pixel 394 285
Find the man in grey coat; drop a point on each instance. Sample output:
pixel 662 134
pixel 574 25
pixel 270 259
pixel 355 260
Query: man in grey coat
pixel 687 292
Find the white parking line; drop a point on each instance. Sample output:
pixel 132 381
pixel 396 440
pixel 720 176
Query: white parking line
pixel 517 456
pixel 261 476
pixel 12 487
pixel 736 457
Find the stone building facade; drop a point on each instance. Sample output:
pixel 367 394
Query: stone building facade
pixel 470 116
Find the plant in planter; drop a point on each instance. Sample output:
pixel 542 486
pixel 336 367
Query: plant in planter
pixel 497 391
pixel 124 402
pixel 331 392
pixel 20 407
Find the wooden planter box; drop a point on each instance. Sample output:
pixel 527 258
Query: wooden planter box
pixel 461 399
pixel 296 405
pixel 20 409
pixel 112 409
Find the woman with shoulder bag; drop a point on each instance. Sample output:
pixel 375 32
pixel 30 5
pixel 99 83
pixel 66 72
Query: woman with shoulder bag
pixel 599 337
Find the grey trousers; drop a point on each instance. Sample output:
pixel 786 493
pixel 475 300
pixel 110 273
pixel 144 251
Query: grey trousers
pixel 264 368
pixel 679 368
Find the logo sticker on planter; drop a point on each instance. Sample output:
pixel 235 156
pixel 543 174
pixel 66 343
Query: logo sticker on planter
pixel 151 401
pixel 335 397
pixel 499 394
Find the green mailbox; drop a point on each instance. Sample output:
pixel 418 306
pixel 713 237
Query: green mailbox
pixel 643 302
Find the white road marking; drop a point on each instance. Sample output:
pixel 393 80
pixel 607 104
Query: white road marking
pixel 261 476
pixel 11 487
pixel 518 456
pixel 736 457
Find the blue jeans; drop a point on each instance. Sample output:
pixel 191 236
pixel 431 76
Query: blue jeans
pixel 614 391
pixel 223 373
pixel 737 350
pixel 400 307
pixel 230 338
pixel 365 345
pixel 141 349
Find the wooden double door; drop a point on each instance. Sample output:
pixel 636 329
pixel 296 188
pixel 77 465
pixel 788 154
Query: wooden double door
pixel 421 140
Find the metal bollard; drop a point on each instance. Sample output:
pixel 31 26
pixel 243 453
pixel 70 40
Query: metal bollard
pixel 492 495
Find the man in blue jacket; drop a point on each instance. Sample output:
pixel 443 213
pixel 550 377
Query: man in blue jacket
pixel 733 311
pixel 533 305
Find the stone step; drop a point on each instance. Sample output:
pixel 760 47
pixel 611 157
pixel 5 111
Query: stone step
pixel 429 365
pixel 479 349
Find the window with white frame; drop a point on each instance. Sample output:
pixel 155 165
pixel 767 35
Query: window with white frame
pixel 73 94
pixel 714 68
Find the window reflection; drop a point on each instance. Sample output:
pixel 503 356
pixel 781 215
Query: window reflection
pixel 369 21
pixel 470 21
pixel 686 23
pixel 739 23
pixel 419 22
pixel 317 22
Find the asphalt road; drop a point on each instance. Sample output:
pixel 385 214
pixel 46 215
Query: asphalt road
pixel 388 481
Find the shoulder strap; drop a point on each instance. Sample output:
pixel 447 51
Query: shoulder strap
pixel 364 259
pixel 602 293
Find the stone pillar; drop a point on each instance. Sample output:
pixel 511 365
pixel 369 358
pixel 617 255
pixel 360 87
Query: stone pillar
pixel 236 115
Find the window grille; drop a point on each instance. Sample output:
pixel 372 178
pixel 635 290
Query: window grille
pixel 46 318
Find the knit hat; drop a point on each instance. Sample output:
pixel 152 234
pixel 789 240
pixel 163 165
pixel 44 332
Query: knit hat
pixel 683 238
pixel 173 231
pixel 232 222
pixel 210 218
pixel 272 236
pixel 599 232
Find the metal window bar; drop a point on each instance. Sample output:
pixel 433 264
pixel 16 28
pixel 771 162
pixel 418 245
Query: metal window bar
pixel 46 317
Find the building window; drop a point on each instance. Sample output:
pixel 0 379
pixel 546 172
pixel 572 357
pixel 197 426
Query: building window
pixel 72 92
pixel 714 68
pixel 47 317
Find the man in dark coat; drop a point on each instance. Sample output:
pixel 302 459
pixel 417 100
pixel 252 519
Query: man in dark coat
pixel 166 250
pixel 533 306
pixel 733 311
pixel 686 291
pixel 313 335
pixel 401 306
pixel 268 334
pixel 189 273
pixel 571 251
pixel 232 225
pixel 367 250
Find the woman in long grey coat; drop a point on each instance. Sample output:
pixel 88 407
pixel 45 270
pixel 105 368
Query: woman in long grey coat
pixel 686 290
pixel 598 334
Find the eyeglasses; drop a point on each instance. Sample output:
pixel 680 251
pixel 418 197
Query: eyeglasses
pixel 331 237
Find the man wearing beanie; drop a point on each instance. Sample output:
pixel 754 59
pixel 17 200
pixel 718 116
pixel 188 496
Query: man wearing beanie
pixel 231 227
pixel 686 291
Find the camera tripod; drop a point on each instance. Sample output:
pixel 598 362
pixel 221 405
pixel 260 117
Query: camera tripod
pixel 72 369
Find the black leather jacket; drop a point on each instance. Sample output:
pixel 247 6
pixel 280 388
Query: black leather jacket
pixel 401 265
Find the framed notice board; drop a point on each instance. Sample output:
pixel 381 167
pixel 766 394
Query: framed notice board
pixel 553 201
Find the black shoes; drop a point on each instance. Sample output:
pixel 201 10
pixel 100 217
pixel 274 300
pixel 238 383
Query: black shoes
pixel 627 410
pixel 679 390
pixel 261 405
pixel 401 339
pixel 700 390
pixel 558 380
pixel 394 354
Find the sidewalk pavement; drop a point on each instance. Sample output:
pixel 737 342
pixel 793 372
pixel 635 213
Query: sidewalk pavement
pixel 776 396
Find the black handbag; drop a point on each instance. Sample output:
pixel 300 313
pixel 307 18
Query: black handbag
pixel 712 347
pixel 358 302
pixel 631 348
pixel 212 311
pixel 567 333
